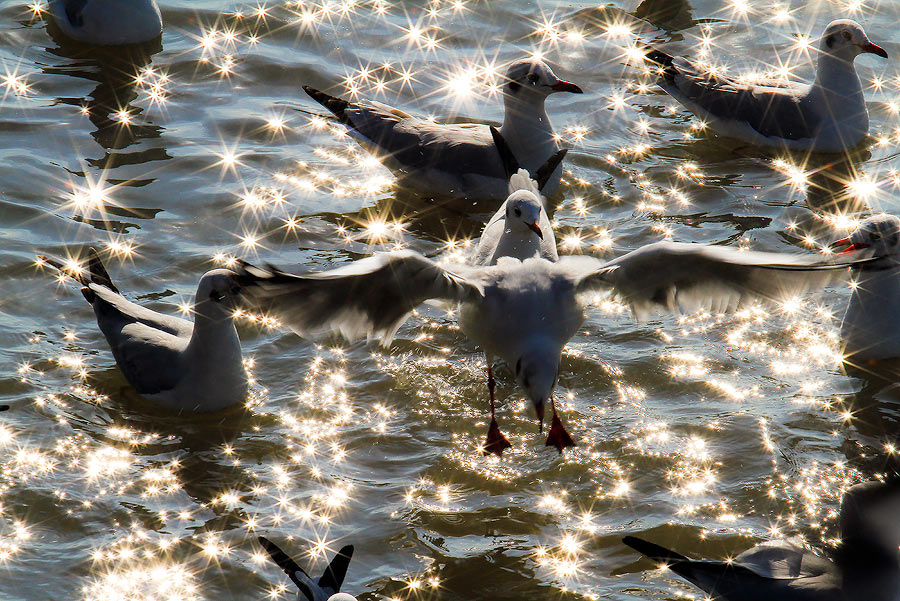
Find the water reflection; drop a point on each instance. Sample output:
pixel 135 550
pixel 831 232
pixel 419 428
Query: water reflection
pixel 118 71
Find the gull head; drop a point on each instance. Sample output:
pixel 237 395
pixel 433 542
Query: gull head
pixel 846 39
pixel 532 79
pixel 536 373
pixel 218 294
pixel 879 234
pixel 870 516
pixel 341 597
pixel 523 213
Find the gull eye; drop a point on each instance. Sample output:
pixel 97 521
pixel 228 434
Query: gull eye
pixel 533 78
pixel 518 212
pixel 846 35
pixel 216 296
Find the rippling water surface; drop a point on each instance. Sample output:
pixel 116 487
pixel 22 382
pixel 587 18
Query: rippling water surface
pixel 707 432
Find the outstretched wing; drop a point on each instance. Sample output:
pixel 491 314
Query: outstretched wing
pixel 371 297
pixel 673 276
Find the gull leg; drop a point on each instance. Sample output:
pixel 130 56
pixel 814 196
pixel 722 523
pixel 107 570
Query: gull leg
pixel 496 442
pixel 558 436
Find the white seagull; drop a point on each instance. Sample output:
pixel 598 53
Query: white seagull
pixel 870 329
pixel 108 22
pixel 864 567
pixel 828 116
pixel 171 361
pixel 327 587
pixel 525 306
pixel 460 159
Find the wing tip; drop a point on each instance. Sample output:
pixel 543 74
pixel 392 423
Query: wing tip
pixel 652 550
pixel 337 106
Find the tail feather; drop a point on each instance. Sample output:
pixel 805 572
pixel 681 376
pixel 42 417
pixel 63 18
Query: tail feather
pixel 653 551
pixel 287 565
pixel 521 180
pixel 336 571
pixel 336 105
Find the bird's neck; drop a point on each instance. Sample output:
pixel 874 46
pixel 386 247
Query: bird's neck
pixel 214 339
pixel 836 76
pixel 525 124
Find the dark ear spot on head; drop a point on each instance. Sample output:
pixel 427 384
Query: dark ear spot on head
pixel 829 41
pixel 514 86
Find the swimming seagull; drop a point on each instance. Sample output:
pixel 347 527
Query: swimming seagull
pixel 460 159
pixel 328 586
pixel 108 22
pixel 828 116
pixel 525 306
pixel 865 566
pixel 870 329
pixel 174 362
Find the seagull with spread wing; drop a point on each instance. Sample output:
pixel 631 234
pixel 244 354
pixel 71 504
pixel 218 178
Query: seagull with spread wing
pixel 518 300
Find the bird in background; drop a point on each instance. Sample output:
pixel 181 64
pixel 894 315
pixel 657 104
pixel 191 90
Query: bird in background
pixel 460 159
pixel 828 115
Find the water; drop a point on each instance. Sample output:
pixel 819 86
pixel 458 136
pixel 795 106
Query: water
pixel 709 433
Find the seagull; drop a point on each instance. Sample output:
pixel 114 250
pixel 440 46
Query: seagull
pixel 828 116
pixel 524 307
pixel 870 330
pixel 864 567
pixel 171 361
pixel 459 159
pixel 327 588
pixel 108 22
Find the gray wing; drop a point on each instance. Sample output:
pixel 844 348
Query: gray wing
pixel 112 308
pixel 782 111
pixel 150 359
pixel 371 297
pixel 674 276
pixel 408 144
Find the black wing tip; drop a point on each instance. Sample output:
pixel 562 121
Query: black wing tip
pixel 509 160
pixel 281 558
pixel 98 272
pixel 336 105
pixel 652 550
pixel 542 175
pixel 4 407
pixel 336 571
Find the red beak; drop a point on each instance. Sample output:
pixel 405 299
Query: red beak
pixel 850 246
pixel 534 227
pixel 565 86
pixel 872 48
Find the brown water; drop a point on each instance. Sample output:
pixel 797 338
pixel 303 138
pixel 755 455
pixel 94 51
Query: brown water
pixel 709 433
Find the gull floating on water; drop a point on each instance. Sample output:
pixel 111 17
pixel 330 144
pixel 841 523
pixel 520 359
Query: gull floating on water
pixel 327 587
pixel 870 329
pixel 828 116
pixel 865 566
pixel 525 306
pixel 174 362
pixel 460 159
pixel 108 22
